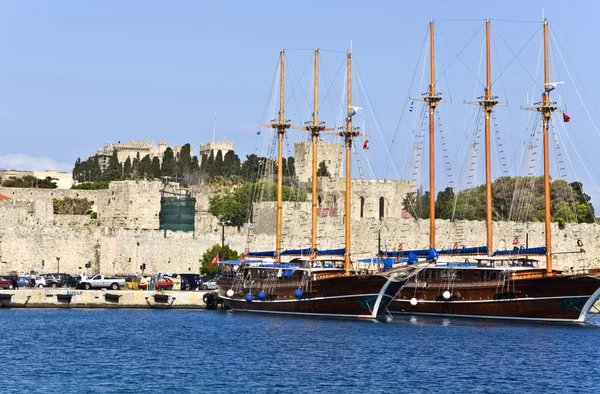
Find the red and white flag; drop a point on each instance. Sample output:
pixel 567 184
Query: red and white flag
pixel 214 261
pixel 566 118
pixel 366 144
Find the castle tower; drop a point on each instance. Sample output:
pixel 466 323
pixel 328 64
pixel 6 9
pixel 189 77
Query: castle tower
pixel 329 152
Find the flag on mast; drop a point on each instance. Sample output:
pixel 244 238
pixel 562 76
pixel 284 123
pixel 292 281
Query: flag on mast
pixel 214 261
pixel 566 118
pixel 366 144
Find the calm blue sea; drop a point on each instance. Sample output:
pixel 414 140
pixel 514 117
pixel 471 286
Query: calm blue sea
pixel 134 351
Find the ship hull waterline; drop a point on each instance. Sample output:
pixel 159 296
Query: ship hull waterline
pixel 364 298
pixel 567 300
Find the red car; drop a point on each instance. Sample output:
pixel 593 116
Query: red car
pixel 159 284
pixel 6 282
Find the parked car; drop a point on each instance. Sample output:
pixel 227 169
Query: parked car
pixel 159 284
pixel 23 281
pixel 194 281
pixel 101 282
pixel 54 280
pixel 6 282
pixel 210 285
pixel 37 281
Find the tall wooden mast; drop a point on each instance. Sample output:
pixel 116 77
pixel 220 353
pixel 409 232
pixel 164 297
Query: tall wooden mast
pixel 315 128
pixel 432 98
pixel 546 107
pixel 281 125
pixel 349 133
pixel 487 101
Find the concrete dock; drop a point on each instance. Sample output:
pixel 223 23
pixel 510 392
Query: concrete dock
pixel 71 298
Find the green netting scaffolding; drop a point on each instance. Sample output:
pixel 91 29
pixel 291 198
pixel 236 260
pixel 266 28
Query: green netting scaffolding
pixel 177 214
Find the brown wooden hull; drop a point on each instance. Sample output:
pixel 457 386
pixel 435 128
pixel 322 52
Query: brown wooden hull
pixel 360 297
pixel 557 298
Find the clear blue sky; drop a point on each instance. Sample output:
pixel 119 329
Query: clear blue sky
pixel 75 74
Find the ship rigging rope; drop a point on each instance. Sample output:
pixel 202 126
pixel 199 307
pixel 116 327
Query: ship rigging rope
pixel 573 83
pixel 457 55
pixel 516 57
pixel 479 20
pixel 407 99
pixel 577 150
pixel 375 120
pixel 329 85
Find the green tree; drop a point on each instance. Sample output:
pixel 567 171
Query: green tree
pixel 194 166
pixel 29 181
pixel 155 169
pixel 185 160
pixel 291 162
pixel 114 171
pixel 231 164
pixel 225 253
pixel 169 165
pixel 145 166
pixel 444 205
pixel 322 170
pixel 127 168
pixel 135 166
pixel 72 206
pixel 210 165
pixel 218 166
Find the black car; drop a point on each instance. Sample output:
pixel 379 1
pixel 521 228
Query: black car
pixel 194 281
pixel 60 280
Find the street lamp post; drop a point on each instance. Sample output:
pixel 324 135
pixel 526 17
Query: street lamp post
pixel 222 224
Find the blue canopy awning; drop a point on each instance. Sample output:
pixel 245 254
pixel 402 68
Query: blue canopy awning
pixel 540 250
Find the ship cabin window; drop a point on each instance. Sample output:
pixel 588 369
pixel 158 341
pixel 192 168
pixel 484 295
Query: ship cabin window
pixel 475 275
pixel 493 275
pixel 466 274
pixel 362 206
pixel 459 275
pixel 381 207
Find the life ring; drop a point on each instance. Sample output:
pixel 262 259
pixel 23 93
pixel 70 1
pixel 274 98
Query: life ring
pixel 455 246
pixel 399 246
pixel 579 243
pixel 516 241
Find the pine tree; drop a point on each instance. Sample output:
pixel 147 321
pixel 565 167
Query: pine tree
pixel 210 164
pixel 169 165
pixel 185 160
pixel 127 168
pixel 155 170
pixel 114 171
pixel 323 171
pixel 291 163
pixel 135 166
pixel 145 166
pixel 218 166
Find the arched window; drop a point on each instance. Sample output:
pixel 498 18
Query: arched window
pixel 381 207
pixel 318 201
pixel 362 206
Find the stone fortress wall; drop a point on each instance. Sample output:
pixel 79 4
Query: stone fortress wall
pixel 126 232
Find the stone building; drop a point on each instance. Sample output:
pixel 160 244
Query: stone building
pixel 63 180
pixel 132 149
pixel 217 146
pixel 329 152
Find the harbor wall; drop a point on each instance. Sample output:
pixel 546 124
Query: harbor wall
pixel 126 232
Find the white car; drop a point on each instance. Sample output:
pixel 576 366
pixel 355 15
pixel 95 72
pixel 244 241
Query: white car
pixel 40 281
pixel 210 285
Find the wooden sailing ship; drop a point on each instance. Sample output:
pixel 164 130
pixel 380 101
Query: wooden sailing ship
pixel 509 286
pixel 319 286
